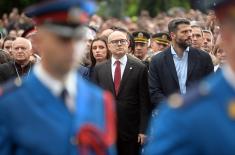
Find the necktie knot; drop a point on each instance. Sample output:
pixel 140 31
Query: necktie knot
pixel 64 94
pixel 117 62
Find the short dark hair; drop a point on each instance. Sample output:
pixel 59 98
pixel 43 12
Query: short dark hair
pixel 199 27
pixel 173 24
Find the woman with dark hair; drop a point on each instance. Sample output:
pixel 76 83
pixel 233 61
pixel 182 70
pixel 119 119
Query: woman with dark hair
pixel 98 52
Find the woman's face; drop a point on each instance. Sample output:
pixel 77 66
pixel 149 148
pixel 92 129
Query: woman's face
pixel 99 50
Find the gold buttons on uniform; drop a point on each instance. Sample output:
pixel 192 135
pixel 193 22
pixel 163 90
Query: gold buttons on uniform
pixel 231 109
pixel 175 101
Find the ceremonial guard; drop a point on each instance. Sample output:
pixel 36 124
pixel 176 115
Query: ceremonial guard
pixel 54 111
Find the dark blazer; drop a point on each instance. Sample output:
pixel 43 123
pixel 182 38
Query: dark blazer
pixel 163 79
pixel 132 101
pixel 8 70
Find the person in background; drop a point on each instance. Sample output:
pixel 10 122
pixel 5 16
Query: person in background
pixel 220 54
pixel 142 40
pixel 98 52
pixel 4 57
pixel 159 42
pixel 21 65
pixel 90 35
pixel 178 67
pixel 7 45
pixel 197 37
pixel 208 44
pixel 126 77
pixel 30 33
pixel 208 41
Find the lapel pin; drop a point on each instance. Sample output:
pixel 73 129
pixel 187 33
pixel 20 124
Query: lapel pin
pixel 130 68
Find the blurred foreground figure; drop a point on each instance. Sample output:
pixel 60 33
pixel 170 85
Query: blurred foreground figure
pixel 202 122
pixel 53 111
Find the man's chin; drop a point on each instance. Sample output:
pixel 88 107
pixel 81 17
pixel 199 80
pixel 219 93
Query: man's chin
pixel 21 61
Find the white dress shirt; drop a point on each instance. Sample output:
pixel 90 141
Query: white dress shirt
pixel 181 66
pixel 123 62
pixel 57 86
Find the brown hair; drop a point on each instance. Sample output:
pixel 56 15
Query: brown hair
pixel 93 60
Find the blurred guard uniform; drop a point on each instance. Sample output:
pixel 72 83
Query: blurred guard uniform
pixel 34 119
pixel 202 122
pixel 142 37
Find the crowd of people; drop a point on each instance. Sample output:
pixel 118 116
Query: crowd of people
pixel 140 62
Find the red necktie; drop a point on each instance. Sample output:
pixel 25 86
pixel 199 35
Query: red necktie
pixel 117 76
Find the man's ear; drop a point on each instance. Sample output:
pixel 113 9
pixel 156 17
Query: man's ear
pixel 128 43
pixel 172 34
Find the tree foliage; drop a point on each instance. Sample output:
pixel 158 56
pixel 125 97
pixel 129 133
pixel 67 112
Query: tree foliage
pixel 116 8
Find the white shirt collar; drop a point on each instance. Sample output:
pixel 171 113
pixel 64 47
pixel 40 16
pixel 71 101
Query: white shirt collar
pixel 54 85
pixel 123 60
pixel 229 75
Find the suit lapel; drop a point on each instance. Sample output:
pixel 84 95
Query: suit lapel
pixel 109 76
pixel 191 62
pixel 171 65
pixel 128 68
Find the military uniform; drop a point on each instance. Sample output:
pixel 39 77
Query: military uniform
pixel 201 122
pixel 161 38
pixel 33 121
pixel 142 38
pixel 43 115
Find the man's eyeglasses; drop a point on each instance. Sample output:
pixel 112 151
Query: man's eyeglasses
pixel 117 42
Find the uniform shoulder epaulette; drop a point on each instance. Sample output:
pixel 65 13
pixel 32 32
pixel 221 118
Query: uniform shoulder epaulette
pixel 198 92
pixel 10 86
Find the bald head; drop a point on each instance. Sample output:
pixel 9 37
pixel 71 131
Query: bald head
pixel 21 49
pixel 117 34
pixel 118 44
pixel 22 41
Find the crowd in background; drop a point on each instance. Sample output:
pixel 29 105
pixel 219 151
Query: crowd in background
pixel 146 36
pixel 15 23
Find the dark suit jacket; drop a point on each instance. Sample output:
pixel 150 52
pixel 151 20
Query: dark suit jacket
pixel 163 79
pixel 8 71
pixel 133 101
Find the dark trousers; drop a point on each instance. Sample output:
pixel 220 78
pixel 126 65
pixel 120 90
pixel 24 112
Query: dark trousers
pixel 128 147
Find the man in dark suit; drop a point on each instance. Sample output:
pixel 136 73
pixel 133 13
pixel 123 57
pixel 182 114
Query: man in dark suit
pixel 178 67
pixel 126 78
pixel 21 66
